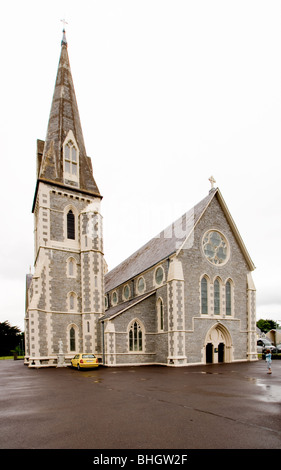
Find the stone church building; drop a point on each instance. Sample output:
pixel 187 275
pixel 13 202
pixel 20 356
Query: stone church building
pixel 186 297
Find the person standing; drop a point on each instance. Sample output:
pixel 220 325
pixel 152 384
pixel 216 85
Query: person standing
pixel 268 360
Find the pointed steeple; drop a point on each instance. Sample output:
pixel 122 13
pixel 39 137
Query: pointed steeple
pixel 64 126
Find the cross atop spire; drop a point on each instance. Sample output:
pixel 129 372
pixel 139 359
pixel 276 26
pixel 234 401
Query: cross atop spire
pixel 64 120
pixel 64 41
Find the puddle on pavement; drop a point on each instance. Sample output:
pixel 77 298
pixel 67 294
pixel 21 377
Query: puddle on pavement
pixel 205 372
pixel 89 375
pixel 272 391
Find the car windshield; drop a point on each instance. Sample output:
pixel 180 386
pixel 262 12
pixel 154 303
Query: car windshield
pixel 88 356
pixel 266 341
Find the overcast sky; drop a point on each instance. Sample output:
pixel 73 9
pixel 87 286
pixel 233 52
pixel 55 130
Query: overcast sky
pixel 169 92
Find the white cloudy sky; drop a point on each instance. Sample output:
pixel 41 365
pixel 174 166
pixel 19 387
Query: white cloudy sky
pixel 170 92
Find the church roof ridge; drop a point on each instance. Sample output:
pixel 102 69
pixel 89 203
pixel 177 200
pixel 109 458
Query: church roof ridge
pixel 159 248
pixel 115 310
pixel 169 242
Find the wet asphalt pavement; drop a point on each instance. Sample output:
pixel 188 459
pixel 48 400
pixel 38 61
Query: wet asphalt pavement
pixel 223 406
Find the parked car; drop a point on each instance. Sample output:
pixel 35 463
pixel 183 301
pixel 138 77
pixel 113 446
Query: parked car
pixel 84 361
pixel 278 348
pixel 263 344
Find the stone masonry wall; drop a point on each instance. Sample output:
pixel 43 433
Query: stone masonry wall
pixel 195 265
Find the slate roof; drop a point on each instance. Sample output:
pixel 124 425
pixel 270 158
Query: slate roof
pixel 158 248
pixel 117 309
pixel 170 241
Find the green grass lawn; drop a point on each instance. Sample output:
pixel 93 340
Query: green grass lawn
pixel 10 357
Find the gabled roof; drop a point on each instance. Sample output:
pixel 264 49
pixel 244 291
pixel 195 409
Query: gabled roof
pixel 160 247
pixel 64 117
pixel 168 242
pixel 120 308
pixel 235 230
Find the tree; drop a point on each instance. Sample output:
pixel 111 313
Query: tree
pixel 267 325
pixel 10 338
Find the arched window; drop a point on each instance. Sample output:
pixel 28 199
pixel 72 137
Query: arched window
pixel 160 314
pixel 70 225
pixel 71 267
pixel 217 297
pixel 204 295
pixel 72 339
pixel 228 298
pixel 135 337
pixel 72 301
pixel 70 159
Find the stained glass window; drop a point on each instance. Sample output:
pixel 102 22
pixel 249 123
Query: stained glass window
pixel 217 297
pixel 159 275
pixel 215 247
pixel 161 315
pixel 228 298
pixel 141 284
pixel 126 292
pixel 72 339
pixel 135 337
pixel 204 295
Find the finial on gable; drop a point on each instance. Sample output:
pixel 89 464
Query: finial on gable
pixel 212 181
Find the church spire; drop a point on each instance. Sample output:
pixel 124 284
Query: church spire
pixel 63 41
pixel 64 126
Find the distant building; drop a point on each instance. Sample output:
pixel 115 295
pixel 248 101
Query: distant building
pixel 274 336
pixel 186 297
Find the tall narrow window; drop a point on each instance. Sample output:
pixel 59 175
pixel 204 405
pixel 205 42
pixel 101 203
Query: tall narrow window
pixel 71 301
pixel 228 298
pixel 70 159
pixel 204 296
pixel 70 225
pixel 135 337
pixel 72 339
pixel 217 297
pixel 160 310
pixel 70 267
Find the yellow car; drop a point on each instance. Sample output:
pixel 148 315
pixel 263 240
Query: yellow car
pixel 84 361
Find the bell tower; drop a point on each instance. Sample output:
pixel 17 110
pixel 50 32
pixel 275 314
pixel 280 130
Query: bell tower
pixel 65 295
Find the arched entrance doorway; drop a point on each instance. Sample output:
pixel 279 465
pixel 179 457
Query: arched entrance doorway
pixel 218 344
pixel 221 352
pixel 209 353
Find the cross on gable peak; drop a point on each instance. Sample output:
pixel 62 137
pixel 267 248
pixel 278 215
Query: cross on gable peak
pixel 212 181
